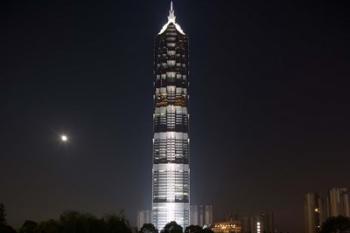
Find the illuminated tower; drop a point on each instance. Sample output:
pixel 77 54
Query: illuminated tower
pixel 171 149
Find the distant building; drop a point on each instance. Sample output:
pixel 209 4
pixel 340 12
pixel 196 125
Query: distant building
pixel 194 217
pixel 201 215
pixel 317 209
pixel 208 215
pixel 245 222
pixel 260 223
pixel 338 202
pixel 143 216
pixel 313 212
pixel 257 223
pixel 231 226
pixel 268 222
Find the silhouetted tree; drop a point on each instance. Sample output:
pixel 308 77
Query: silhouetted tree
pixel 148 228
pixel 75 222
pixel 96 225
pixel 117 224
pixel 207 230
pixel 338 224
pixel 6 229
pixel 28 227
pixel 51 226
pixel 2 214
pixel 172 227
pixel 193 229
pixel 71 222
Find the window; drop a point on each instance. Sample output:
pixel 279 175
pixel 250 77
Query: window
pixel 171 52
pixel 171 63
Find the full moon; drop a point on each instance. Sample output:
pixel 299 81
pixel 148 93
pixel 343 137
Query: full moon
pixel 64 138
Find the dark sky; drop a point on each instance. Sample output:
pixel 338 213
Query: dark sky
pixel 269 104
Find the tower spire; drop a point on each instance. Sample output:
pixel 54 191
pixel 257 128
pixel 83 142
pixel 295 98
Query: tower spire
pixel 171 16
pixel 171 19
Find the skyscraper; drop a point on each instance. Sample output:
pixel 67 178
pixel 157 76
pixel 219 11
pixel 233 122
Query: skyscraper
pixel 143 217
pixel 338 202
pixel 318 209
pixel 171 149
pixel 208 215
pixel 201 215
pixel 260 223
pixel 314 213
pixel 194 220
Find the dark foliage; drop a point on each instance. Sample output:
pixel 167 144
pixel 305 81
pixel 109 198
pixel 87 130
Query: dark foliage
pixel 51 226
pixel 172 227
pixel 2 214
pixel 148 228
pixel 197 229
pixel 28 227
pixel 117 224
pixel 338 224
pixel 207 230
pixel 6 229
pixel 74 222
pixel 193 229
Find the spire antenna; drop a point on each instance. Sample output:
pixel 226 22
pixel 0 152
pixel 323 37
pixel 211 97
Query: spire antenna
pixel 171 19
pixel 171 16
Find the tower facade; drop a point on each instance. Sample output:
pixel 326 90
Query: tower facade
pixel 171 143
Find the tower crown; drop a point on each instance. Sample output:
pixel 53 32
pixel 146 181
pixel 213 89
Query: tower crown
pixel 171 19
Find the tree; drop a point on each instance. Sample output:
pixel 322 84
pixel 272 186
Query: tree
pixel 6 229
pixel 197 229
pixel 193 229
pixel 117 224
pixel 207 230
pixel 2 214
pixel 75 222
pixel 172 227
pixel 51 226
pixel 338 224
pixel 28 227
pixel 71 222
pixel 148 228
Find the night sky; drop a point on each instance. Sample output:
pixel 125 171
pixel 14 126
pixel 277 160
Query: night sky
pixel 270 115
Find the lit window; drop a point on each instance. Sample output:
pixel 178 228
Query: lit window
pixel 171 62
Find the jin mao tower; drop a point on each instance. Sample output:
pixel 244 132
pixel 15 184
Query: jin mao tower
pixel 171 143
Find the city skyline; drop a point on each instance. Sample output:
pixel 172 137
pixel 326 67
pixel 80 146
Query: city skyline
pixel 269 105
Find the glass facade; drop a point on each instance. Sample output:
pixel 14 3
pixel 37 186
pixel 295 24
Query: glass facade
pixel 171 143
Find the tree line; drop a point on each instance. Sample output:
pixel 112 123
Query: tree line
pixel 75 222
